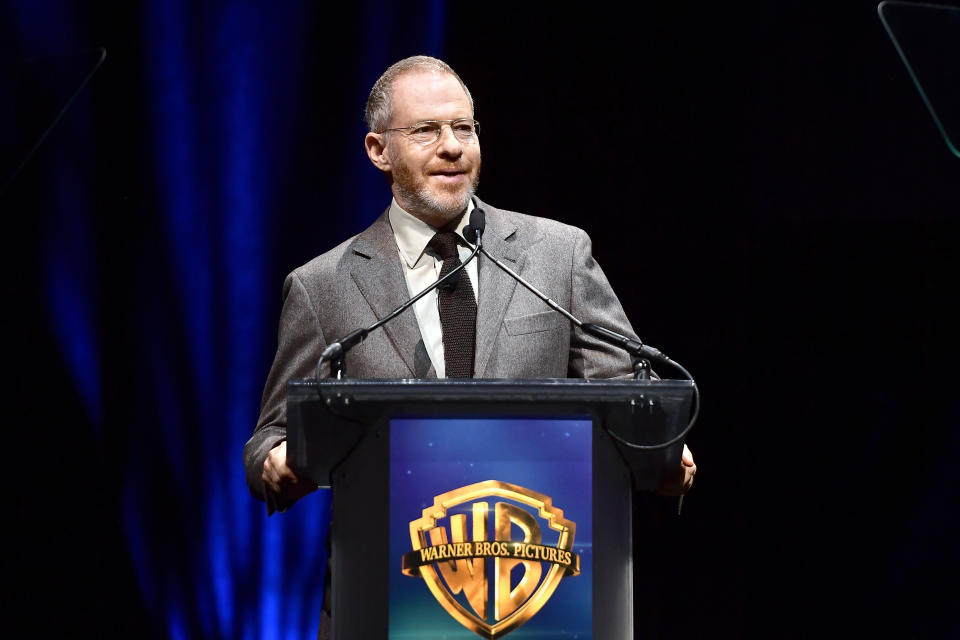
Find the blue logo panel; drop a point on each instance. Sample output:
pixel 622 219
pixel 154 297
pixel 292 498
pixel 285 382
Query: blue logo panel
pixel 490 528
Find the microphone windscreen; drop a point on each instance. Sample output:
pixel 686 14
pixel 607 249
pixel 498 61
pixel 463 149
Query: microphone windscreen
pixel 478 222
pixel 452 283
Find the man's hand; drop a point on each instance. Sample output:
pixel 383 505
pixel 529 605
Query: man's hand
pixel 681 480
pixel 280 479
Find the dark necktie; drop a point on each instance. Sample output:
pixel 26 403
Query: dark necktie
pixel 458 310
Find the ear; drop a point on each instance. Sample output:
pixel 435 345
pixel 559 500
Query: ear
pixel 376 146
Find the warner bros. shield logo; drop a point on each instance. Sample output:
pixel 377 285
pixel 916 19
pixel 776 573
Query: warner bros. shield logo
pixel 457 563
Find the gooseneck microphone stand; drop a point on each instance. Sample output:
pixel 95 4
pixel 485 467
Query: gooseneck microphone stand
pixel 640 354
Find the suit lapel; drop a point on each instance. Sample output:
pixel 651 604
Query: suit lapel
pixel 375 268
pixel 496 286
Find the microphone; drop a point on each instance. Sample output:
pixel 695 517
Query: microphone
pixel 337 351
pixel 478 222
pixel 472 233
pixel 450 284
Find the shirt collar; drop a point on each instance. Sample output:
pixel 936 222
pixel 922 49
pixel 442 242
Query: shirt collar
pixel 413 235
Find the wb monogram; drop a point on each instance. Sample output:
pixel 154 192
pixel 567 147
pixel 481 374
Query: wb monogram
pixel 461 559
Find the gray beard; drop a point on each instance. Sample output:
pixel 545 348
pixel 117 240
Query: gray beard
pixel 420 200
pixel 423 200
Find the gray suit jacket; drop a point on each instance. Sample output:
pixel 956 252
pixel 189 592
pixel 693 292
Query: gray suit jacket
pixel 518 336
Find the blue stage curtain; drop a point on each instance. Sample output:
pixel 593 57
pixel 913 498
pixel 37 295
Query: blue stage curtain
pixel 223 95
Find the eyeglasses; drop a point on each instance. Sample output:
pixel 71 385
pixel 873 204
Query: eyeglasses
pixel 428 132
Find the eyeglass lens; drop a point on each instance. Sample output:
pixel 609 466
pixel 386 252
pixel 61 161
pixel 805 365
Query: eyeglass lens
pixel 430 131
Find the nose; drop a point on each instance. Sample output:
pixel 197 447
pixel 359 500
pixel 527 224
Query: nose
pixel 450 146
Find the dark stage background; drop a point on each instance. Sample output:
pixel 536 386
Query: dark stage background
pixel 764 189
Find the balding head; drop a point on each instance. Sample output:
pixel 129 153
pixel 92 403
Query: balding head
pixel 380 102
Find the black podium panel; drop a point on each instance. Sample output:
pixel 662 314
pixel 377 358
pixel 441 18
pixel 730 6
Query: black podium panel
pixel 340 435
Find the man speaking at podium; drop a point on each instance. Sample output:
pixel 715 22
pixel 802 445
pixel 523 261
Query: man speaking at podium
pixel 423 137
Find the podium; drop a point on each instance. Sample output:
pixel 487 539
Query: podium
pixel 482 508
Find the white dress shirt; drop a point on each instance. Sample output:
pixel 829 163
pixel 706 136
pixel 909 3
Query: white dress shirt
pixel 420 270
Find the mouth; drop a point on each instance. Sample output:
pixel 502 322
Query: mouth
pixel 449 175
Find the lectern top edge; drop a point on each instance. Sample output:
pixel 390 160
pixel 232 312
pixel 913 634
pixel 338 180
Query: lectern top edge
pixel 558 389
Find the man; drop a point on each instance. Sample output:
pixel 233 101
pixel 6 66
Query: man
pixel 424 139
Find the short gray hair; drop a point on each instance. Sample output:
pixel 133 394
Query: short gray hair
pixel 380 102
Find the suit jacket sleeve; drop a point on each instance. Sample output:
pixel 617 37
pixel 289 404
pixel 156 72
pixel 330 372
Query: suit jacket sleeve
pixel 593 300
pixel 300 343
